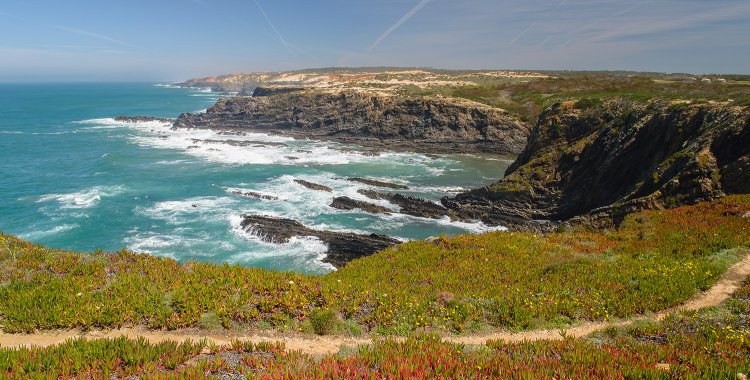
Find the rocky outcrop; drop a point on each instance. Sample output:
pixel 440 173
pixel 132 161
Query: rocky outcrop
pixel 313 186
pixel 252 143
pixel 244 83
pixel 253 194
pixel 413 206
pixel 342 246
pixel 346 203
pixel 142 119
pixel 392 122
pixel 596 161
pixel 376 183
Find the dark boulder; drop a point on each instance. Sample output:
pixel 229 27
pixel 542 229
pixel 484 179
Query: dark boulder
pixel 346 203
pixel 342 246
pixel 313 186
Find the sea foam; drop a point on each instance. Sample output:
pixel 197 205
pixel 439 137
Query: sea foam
pixel 83 199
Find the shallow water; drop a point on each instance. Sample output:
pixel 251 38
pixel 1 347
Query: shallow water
pixel 72 177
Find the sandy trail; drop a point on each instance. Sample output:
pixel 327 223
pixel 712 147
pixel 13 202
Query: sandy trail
pixel 321 345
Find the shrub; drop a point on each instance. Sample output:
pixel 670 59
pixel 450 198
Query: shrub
pixel 323 321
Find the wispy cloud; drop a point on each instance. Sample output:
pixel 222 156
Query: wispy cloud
pixel 398 23
pixel 93 35
pixel 641 27
pixel 537 21
pixel 268 20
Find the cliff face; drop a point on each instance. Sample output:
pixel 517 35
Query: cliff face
pixel 599 160
pixel 244 82
pixel 423 124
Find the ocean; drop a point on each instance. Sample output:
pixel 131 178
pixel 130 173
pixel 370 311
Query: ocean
pixel 74 178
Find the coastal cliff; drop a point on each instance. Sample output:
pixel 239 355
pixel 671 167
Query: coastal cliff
pixel 596 161
pixel 428 124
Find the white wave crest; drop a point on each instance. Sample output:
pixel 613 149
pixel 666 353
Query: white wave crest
pixel 85 198
pixel 38 234
pixel 301 251
pixel 205 209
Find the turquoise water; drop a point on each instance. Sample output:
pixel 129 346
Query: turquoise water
pixel 74 178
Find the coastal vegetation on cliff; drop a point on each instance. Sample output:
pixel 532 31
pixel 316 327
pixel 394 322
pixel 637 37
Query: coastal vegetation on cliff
pixel 654 260
pixel 708 343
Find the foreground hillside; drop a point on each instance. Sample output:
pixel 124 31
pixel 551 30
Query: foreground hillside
pixel 708 343
pixel 654 260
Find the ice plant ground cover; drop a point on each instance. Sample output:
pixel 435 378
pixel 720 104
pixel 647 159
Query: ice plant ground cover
pixel 515 281
pixel 708 343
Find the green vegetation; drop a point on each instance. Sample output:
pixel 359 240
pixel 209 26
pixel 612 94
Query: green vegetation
pixel 709 343
pixel 526 97
pixel 655 260
pixel 323 321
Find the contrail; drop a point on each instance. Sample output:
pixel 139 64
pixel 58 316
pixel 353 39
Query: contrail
pixel 398 23
pixel 94 35
pixel 283 41
pixel 533 24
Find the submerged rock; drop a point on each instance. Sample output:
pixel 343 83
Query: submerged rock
pixel 346 203
pixel 313 186
pixel 253 194
pixel 342 246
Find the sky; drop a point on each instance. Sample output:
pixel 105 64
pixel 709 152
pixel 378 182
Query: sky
pixel 173 40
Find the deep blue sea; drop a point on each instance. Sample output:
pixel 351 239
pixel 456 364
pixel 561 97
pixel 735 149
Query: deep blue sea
pixel 72 177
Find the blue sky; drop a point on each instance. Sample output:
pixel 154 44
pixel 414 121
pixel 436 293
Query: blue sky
pixel 73 40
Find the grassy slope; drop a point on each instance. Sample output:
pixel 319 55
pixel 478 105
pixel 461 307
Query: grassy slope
pixel 709 343
pixel 527 97
pixel 657 259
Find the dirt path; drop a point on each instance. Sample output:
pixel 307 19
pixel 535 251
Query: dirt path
pixel 322 345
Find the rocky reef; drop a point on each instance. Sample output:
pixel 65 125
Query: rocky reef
pixel 346 203
pixel 426 124
pixel 142 119
pixel 342 246
pixel 595 161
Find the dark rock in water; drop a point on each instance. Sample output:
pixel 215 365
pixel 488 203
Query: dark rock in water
pixel 366 153
pixel 346 203
pixel 595 162
pixel 373 182
pixel 253 143
pixel 142 119
pixel 414 206
pixel 231 133
pixel 421 124
pixel 313 186
pixel 372 194
pixel 292 158
pixel 304 151
pixel 342 246
pixel 253 194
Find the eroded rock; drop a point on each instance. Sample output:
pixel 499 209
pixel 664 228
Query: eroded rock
pixel 342 246
pixel 313 186
pixel 346 203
